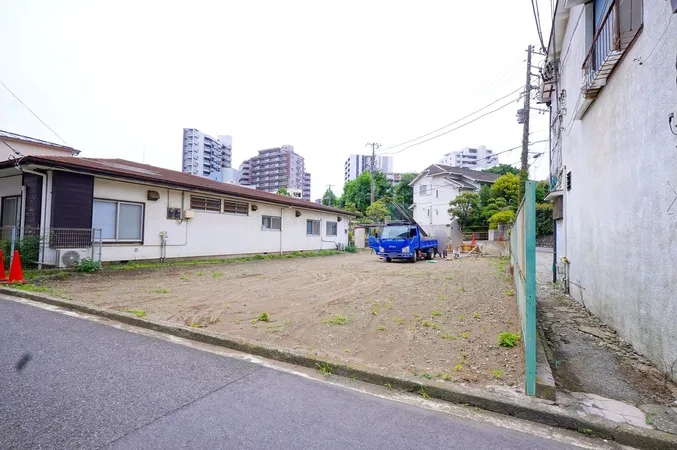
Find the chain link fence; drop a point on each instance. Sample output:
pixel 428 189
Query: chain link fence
pixel 50 247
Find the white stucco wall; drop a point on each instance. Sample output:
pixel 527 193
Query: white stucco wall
pixel 26 149
pixel 210 233
pixel 620 217
pixel 432 209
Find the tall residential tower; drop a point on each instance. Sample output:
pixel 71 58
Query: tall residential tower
pixel 471 158
pixel 356 164
pixel 202 154
pixel 277 167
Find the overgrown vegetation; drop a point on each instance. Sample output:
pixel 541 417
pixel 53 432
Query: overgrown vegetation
pixel 87 265
pixel 350 248
pixel 28 247
pixel 498 374
pixel 508 339
pixel 338 319
pixel 325 368
pixel 136 312
pixel 263 317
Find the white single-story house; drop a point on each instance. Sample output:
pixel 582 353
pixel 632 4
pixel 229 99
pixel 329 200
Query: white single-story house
pixel 147 213
pixel 439 184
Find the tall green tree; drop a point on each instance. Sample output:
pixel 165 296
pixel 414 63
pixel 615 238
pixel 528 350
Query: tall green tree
pixel 329 198
pixel 283 191
pixel 507 188
pixel 465 208
pixel 377 211
pixel 404 193
pixel 358 191
pixel 502 169
pixel 542 189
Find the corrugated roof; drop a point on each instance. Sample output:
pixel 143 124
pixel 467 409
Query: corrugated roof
pixel 469 173
pixel 22 138
pixel 144 172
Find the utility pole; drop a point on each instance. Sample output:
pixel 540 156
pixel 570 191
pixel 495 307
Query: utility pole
pixel 372 164
pixel 329 196
pixel 524 171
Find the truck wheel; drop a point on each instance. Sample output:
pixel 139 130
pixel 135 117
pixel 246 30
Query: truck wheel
pixel 429 255
pixel 386 259
pixel 413 258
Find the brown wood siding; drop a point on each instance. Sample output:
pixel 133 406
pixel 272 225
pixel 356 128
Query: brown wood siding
pixel 33 206
pixel 72 200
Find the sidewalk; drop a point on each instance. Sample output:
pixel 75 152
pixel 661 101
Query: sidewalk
pixel 596 369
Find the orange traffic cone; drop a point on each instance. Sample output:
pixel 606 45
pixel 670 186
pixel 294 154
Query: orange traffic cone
pixel 474 241
pixel 16 275
pixel 3 275
pixel 500 238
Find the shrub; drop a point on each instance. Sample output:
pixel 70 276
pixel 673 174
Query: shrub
pixel 543 219
pixel 350 248
pixel 505 216
pixel 28 247
pixel 507 339
pixel 87 265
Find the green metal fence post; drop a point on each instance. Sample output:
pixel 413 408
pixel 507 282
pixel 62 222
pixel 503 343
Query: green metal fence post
pixel 530 285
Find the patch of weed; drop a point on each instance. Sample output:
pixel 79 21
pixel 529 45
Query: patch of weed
pixel 476 315
pixel 373 311
pixel 136 312
pixel 648 420
pixel 337 320
pixel 346 350
pixel 426 375
pixel 461 318
pixel 510 292
pixel 498 374
pixel 217 274
pixel 508 339
pixel 435 313
pixel 183 278
pixel 449 336
pixel 465 334
pixel 446 377
pixel 161 291
pixel 380 328
pixel 435 326
pixel 399 320
pixel 325 368
pixel 423 393
pixel 462 289
pixel 194 325
pixel 199 274
pixel 442 297
pixel 263 317
pixel 585 431
pixel 388 386
pixel 425 323
pixel 458 367
pixel 387 305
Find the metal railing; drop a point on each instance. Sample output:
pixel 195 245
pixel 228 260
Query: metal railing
pixel 50 246
pixel 523 261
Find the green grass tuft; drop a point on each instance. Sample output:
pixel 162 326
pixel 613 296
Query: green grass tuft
pixel 507 339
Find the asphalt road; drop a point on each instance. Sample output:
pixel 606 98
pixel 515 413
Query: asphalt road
pixel 88 385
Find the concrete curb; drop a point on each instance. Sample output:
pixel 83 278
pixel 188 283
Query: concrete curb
pixel 523 407
pixel 545 382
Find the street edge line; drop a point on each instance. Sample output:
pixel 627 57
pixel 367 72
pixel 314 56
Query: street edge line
pixel 527 408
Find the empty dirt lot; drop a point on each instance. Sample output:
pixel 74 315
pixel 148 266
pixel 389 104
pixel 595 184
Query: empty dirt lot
pixel 436 320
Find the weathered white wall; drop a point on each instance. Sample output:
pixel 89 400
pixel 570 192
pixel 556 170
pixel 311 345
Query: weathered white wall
pixel 432 209
pixel 620 215
pixel 26 149
pixel 210 233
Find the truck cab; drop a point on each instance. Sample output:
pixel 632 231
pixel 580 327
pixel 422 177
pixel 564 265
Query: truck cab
pixel 404 241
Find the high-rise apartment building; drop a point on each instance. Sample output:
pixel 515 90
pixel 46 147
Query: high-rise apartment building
pixel 356 164
pixel 277 167
pixel 202 154
pixel 471 158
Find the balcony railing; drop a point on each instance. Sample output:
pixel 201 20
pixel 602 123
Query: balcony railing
pixel 618 28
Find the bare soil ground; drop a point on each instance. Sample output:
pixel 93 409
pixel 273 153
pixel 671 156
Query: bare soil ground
pixel 437 320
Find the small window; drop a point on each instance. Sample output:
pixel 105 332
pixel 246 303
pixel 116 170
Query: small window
pixel 271 223
pixel 332 229
pixel 437 193
pixel 118 221
pixel 423 189
pixel 233 207
pixel 205 203
pixel 313 227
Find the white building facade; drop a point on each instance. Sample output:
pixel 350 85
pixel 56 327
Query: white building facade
pixel 471 157
pixel 147 213
pixel 356 164
pixel 613 165
pixel 204 155
pixel 438 185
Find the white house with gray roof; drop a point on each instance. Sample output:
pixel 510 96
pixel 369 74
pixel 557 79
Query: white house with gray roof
pixel 439 184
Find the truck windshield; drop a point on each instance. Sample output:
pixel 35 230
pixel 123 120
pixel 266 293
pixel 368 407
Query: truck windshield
pixel 395 232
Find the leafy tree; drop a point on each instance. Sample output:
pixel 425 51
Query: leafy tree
pixel 404 193
pixel 377 211
pixel 358 191
pixel 544 223
pixel 283 191
pixel 350 206
pixel 465 208
pixel 329 198
pixel 507 188
pixel 502 169
pixel 542 189
pixel 485 195
pixel 505 216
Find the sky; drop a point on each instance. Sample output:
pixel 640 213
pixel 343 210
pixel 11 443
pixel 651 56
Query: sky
pixel 122 79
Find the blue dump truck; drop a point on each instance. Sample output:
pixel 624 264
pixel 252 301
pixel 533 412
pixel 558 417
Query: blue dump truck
pixel 405 240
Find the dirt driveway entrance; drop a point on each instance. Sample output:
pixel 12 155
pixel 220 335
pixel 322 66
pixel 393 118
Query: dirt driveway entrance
pixel 436 320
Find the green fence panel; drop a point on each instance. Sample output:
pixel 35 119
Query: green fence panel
pixel 523 259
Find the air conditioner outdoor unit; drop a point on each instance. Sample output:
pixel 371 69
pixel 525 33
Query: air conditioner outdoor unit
pixel 68 257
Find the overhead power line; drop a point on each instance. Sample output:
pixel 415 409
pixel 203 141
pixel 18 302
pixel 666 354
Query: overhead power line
pixel 452 123
pixel 453 129
pixel 31 111
pixel 537 18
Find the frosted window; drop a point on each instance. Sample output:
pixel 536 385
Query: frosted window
pixel 129 226
pixel 103 217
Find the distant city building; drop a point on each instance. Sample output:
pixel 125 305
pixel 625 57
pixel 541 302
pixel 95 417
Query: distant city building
pixel 203 155
pixel 471 158
pixel 246 173
pixel 318 201
pixel 226 175
pixel 356 164
pixel 274 168
pixel 394 178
